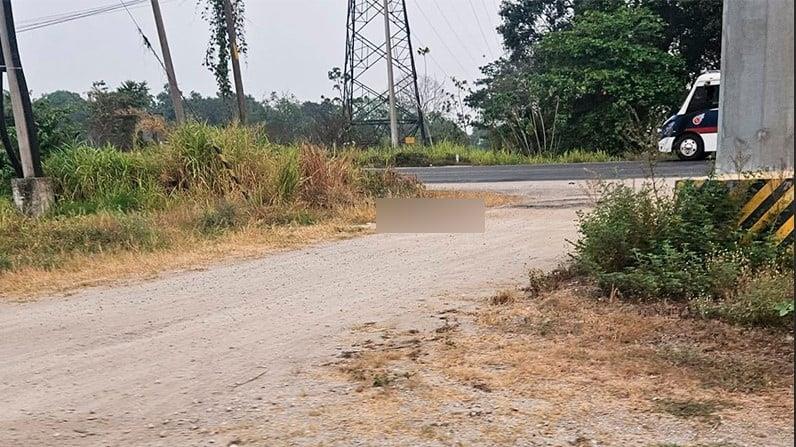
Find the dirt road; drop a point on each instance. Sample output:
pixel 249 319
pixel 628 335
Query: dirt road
pixel 184 359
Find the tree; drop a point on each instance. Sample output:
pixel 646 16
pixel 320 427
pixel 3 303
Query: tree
pixel 61 118
pixel 526 21
pixel 586 85
pixel 609 81
pixel 114 115
pixel 70 102
pixel 439 110
pixel 692 27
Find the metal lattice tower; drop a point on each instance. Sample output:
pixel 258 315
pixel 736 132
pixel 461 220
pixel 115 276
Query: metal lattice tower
pixel 366 92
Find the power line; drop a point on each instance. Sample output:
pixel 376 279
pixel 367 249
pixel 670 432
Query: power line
pixel 441 40
pixel 455 34
pixel 147 43
pixel 481 29
pixel 494 14
pixel 60 18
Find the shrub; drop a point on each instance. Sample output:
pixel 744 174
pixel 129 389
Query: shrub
pixel 762 299
pixel 685 247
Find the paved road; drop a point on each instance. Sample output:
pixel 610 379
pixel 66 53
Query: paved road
pixel 574 171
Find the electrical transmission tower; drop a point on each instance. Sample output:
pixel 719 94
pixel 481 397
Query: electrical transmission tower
pixel 369 52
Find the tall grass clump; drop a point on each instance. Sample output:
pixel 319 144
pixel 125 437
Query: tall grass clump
pixel 685 247
pixel 105 178
pixel 202 183
pixel 326 181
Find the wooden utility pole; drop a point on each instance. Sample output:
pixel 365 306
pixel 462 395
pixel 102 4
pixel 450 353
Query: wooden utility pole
pixel 229 15
pixel 20 97
pixel 174 89
pixel 390 76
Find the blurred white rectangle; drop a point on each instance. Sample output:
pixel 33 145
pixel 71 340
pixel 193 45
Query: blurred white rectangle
pixel 430 216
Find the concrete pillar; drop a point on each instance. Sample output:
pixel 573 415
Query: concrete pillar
pixel 33 195
pixel 756 104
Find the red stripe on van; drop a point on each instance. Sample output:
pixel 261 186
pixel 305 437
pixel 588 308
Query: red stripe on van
pixel 703 129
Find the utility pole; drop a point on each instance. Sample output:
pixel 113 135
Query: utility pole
pixel 20 98
pixel 229 16
pixel 32 194
pixel 174 89
pixel 390 76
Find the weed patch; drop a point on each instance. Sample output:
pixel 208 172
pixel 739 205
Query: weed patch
pixel 448 154
pixel 218 218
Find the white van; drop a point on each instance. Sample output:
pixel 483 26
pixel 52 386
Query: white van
pixel 693 132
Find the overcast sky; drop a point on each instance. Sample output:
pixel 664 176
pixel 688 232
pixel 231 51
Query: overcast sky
pixel 292 44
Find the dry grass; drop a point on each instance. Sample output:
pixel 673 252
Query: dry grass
pixel 491 199
pixel 567 368
pixel 504 297
pixel 191 251
pixel 186 252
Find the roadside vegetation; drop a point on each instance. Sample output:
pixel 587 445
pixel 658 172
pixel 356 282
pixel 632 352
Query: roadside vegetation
pixel 567 89
pixel 686 248
pixel 448 154
pixel 203 186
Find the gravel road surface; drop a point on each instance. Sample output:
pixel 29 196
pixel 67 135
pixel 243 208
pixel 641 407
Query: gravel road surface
pixel 175 360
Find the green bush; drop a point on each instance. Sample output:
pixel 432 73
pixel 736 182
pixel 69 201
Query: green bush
pixel 684 247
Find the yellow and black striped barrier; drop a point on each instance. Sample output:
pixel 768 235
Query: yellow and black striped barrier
pixel 767 205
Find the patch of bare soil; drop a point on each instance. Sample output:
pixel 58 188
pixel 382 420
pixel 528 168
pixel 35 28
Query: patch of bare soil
pixel 563 369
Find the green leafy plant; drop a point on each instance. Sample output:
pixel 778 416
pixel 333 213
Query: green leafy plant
pixel 217 56
pixel 785 308
pixel 688 248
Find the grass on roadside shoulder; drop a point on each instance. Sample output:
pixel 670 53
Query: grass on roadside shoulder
pixel 203 188
pixel 445 154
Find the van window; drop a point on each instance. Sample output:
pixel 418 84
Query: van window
pixel 705 97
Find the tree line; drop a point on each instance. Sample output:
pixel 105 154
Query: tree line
pixel 130 115
pixel 593 74
pixel 577 74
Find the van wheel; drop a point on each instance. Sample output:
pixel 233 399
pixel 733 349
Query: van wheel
pixel 690 147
